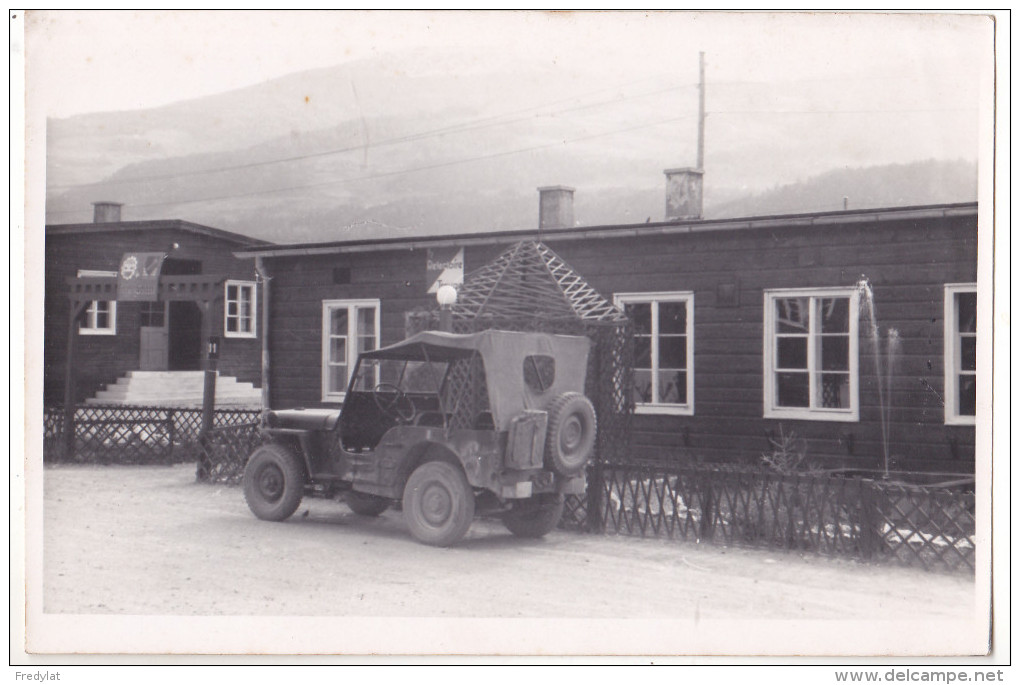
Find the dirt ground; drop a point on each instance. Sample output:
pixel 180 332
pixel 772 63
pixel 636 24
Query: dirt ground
pixel 150 540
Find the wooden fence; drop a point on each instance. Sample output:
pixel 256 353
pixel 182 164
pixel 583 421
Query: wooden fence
pixel 224 452
pixel 128 434
pixel 931 526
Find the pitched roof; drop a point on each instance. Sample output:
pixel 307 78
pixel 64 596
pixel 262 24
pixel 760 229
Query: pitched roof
pixel 528 280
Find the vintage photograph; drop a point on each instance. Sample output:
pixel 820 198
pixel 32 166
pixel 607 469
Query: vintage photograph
pixel 508 333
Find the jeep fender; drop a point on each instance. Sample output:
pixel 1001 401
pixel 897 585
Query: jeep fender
pixel 300 441
pixel 475 456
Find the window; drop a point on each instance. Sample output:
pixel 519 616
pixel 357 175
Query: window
pixel 348 328
pixel 100 318
pixel 663 350
pixel 539 372
pixel 961 353
pixel 153 314
pixel 239 309
pixel 811 354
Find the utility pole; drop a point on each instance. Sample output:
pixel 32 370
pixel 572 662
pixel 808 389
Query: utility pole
pixel 701 112
pixel 684 185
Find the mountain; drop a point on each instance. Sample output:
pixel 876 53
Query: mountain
pixel 892 185
pixel 370 145
pixel 425 142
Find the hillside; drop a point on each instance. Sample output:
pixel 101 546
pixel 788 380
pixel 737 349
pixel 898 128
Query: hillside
pixel 892 185
pixel 424 142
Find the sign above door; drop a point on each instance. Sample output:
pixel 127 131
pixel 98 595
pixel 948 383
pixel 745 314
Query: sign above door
pixel 138 276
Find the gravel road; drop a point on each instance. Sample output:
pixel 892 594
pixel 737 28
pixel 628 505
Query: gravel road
pixel 150 540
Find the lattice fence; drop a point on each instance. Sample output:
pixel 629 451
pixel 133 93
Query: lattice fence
pixel 575 513
pixel 128 434
pixel 224 452
pixel 53 418
pixel 927 526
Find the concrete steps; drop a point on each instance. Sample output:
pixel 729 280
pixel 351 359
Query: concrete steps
pixel 177 388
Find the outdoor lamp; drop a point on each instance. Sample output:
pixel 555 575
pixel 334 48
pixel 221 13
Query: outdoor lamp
pixel 446 296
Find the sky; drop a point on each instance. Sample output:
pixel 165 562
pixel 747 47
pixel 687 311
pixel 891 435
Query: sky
pixel 93 61
pixel 789 95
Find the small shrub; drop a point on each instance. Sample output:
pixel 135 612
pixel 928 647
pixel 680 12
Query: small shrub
pixel 788 455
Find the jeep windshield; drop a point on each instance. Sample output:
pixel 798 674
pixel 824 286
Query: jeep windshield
pixel 407 380
pixel 408 376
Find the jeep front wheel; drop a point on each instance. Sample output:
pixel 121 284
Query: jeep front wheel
pixel 273 482
pixel 533 518
pixel 438 504
pixel 364 504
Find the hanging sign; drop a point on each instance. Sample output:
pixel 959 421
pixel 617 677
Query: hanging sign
pixel 138 277
pixel 445 266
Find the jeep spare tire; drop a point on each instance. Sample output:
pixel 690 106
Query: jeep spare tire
pixel 274 482
pixel 571 435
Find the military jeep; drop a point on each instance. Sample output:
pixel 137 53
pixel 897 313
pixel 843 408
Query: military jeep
pixel 445 426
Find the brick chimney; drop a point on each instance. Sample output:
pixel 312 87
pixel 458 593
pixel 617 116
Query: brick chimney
pixel 106 212
pixel 683 193
pixel 555 207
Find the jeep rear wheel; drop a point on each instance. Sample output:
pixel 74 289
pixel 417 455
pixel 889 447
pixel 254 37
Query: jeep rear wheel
pixel 364 504
pixel 274 482
pixel 533 518
pixel 438 504
pixel 571 435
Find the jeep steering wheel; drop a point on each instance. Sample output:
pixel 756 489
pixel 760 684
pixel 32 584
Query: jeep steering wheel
pixel 392 407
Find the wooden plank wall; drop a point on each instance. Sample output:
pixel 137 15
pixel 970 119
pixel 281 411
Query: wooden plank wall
pixel 103 359
pixel 907 263
pixel 299 286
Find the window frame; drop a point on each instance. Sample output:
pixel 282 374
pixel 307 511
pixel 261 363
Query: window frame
pixel 951 355
pixel 162 309
pixel 653 299
pixel 352 354
pixel 770 410
pixel 227 333
pixel 88 325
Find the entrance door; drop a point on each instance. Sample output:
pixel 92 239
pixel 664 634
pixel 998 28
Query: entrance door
pixel 185 337
pixel 154 346
pixel 184 321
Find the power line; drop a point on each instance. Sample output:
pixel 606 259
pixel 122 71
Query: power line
pixel 841 111
pixel 821 79
pixel 384 174
pixel 485 122
pixel 494 120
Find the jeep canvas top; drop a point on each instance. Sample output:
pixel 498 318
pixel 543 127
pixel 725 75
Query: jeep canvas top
pixel 523 371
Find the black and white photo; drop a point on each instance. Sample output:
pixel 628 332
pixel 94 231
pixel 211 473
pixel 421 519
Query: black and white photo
pixel 511 333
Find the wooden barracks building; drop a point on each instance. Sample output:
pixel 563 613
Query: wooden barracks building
pixel 854 330
pixel 124 350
